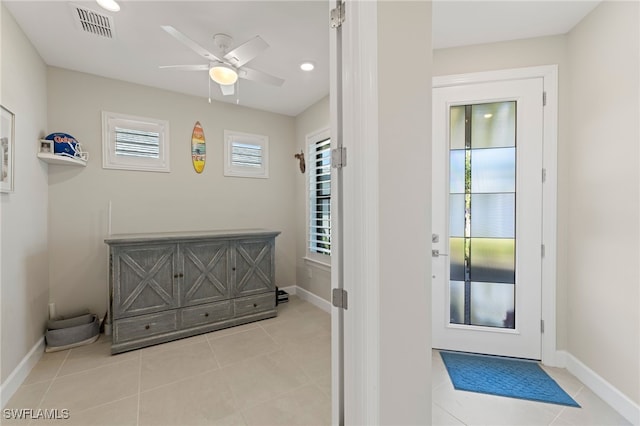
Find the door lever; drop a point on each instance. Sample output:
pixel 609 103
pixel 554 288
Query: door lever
pixel 436 253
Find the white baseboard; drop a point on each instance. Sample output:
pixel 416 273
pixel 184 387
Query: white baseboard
pixel 605 390
pixel 306 295
pixel 17 376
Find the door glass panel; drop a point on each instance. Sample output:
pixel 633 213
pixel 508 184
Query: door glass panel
pixel 493 170
pixel 457 127
pixel 457 302
pixel 492 304
pixel 493 260
pixel 493 215
pixel 456 215
pixel 494 125
pixel 482 206
pixel 456 171
pixel 456 254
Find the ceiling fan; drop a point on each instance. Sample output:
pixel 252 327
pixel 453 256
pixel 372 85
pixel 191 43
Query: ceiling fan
pixel 229 65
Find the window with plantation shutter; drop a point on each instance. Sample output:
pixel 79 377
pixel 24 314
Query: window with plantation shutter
pixel 246 155
pixel 134 143
pixel 320 195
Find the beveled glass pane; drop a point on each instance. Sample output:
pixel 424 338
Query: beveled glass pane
pixel 456 302
pixel 493 170
pixel 456 136
pixel 493 304
pixel 456 254
pixel 493 260
pixel 456 171
pixel 492 215
pixel 493 125
pixel 456 215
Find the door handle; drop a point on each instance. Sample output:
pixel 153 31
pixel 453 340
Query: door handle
pixel 436 253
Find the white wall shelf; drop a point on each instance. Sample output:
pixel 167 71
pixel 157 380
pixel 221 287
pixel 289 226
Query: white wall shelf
pixel 46 154
pixel 61 159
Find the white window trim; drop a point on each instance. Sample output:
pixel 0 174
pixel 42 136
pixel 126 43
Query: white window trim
pixel 235 170
pixel 109 159
pixel 311 139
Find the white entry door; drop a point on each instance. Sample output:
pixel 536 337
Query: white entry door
pixel 487 217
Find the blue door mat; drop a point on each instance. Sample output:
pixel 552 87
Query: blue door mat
pixel 513 378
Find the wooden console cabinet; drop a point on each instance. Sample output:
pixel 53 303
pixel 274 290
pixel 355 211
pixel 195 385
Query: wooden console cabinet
pixel 166 286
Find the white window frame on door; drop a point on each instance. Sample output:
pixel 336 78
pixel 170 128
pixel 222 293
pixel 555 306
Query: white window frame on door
pixel 549 74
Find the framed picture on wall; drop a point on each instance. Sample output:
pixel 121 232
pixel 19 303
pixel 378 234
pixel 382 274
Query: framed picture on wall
pixel 7 146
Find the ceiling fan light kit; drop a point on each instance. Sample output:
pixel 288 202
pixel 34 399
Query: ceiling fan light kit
pixel 223 74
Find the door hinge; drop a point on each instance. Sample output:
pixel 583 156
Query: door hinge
pixel 544 98
pixel 544 175
pixel 337 15
pixel 541 326
pixel 339 298
pixel 542 250
pixel 339 157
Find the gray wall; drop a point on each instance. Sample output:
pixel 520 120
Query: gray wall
pixel 404 153
pixel 24 285
pixel 604 216
pixel 154 202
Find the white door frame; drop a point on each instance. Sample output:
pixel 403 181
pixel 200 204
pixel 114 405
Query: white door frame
pixel 358 231
pixel 549 74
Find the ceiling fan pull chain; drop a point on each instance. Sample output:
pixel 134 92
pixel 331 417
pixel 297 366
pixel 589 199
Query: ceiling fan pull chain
pixel 209 80
pixel 238 92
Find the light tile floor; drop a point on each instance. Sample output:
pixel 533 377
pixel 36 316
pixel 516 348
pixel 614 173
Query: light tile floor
pixel 272 372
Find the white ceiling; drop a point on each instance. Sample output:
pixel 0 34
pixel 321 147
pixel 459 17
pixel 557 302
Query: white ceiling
pixel 296 31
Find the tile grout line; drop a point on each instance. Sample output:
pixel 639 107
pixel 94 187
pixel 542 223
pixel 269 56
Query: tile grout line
pixel 213 352
pixel 449 413
pixel 55 376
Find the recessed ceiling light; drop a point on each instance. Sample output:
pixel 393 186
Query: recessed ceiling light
pixel 307 66
pixel 488 115
pixel 109 5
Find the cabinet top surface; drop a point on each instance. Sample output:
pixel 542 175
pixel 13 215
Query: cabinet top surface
pixel 189 235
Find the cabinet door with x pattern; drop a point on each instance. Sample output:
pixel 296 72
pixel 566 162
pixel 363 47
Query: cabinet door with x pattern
pixel 145 279
pixel 206 272
pixel 254 265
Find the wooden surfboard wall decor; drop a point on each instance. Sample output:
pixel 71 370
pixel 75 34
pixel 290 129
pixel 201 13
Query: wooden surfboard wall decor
pixel 198 148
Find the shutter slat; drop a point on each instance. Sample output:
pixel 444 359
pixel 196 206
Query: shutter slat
pixel 137 143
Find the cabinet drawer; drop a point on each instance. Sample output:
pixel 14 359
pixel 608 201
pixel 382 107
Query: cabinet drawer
pixel 254 304
pixel 144 326
pixel 204 314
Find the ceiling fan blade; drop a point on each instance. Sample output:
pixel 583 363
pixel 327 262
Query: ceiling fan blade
pixel 186 67
pixel 227 89
pixel 246 52
pixel 190 43
pixel 262 77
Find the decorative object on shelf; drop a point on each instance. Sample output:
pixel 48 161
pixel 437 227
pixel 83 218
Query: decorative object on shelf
pixel 62 148
pixel 198 148
pixel 46 146
pixel 300 158
pixel 66 145
pixel 7 146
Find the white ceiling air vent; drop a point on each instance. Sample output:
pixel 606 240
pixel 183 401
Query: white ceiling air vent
pixel 93 22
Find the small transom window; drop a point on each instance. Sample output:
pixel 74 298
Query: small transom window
pixel 246 155
pixel 134 143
